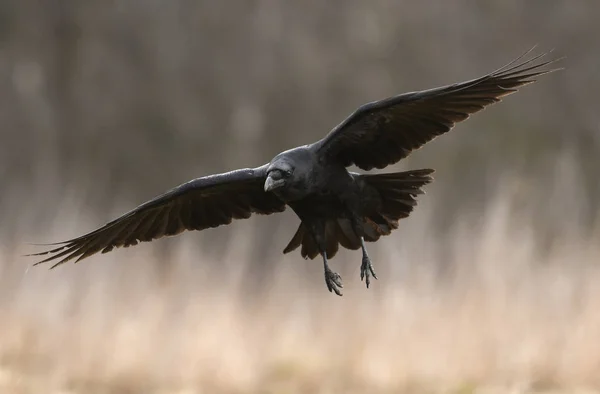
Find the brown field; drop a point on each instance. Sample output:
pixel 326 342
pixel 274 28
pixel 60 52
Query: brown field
pixel 490 311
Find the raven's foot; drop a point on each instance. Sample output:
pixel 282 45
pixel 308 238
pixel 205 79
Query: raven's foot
pixel 366 270
pixel 333 280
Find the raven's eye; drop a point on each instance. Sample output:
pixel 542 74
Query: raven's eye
pixel 276 174
pixel 287 174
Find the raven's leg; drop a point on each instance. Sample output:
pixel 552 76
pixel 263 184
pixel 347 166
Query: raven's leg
pixel 333 280
pixel 366 268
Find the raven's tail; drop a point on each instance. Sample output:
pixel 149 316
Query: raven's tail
pixel 398 192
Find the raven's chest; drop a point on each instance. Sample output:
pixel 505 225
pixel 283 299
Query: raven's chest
pixel 318 207
pixel 325 204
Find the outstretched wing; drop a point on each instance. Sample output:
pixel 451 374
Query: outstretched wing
pixel 196 205
pixel 383 132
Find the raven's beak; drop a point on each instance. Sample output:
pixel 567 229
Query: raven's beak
pixel 272 184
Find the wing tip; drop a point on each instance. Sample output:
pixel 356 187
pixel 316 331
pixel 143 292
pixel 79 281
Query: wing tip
pixel 46 244
pixel 516 67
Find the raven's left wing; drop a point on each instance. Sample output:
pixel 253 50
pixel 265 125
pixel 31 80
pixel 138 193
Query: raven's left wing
pixel 383 132
pixel 205 202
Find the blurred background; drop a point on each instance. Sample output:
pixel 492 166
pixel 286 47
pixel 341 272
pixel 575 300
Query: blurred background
pixel 491 285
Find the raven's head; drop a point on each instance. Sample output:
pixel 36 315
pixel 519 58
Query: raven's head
pixel 279 174
pixel 287 174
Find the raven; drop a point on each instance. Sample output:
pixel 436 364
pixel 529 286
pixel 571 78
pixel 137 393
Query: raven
pixel 335 206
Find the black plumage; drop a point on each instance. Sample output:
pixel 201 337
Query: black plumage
pixel 336 207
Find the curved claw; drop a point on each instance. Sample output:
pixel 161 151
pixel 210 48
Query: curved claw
pixel 333 280
pixel 366 270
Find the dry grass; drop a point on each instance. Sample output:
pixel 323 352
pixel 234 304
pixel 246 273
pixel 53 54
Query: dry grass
pixel 500 315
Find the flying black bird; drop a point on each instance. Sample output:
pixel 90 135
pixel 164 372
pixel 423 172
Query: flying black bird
pixel 336 207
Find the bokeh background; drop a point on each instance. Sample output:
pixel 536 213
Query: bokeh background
pixel 492 284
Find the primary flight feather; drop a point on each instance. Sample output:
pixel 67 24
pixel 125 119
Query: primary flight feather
pixel 336 207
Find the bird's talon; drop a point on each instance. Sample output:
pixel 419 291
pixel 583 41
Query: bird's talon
pixel 333 280
pixel 373 274
pixel 366 271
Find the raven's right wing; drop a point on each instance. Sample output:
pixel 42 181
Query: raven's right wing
pixel 383 132
pixel 205 202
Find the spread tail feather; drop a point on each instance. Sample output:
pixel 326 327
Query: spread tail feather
pixel 398 192
pixel 336 232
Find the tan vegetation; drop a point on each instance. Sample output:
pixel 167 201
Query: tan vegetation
pixel 491 286
pixel 488 311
